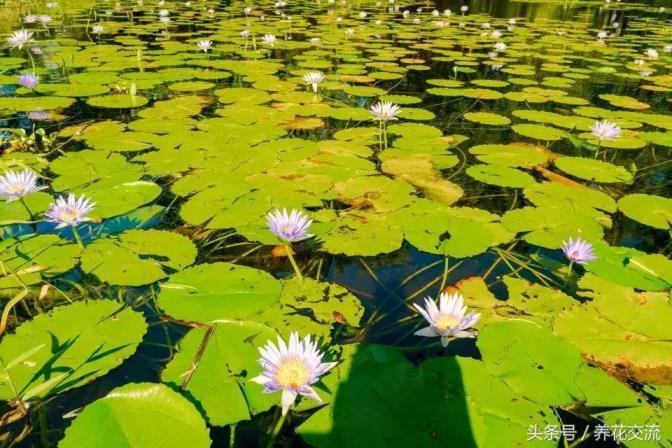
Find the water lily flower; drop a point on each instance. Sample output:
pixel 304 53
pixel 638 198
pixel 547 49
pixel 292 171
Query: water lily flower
pixel 449 320
pixel 605 130
pixel 486 25
pixel 15 185
pixel 44 19
pixel 500 47
pixel 385 111
pixel 496 34
pixel 406 13
pixel 447 13
pixel 667 48
pixel 211 12
pixel 602 35
pixel 464 9
pixel 52 5
pixel 269 39
pixel 578 251
pixel 19 38
pixel 30 18
pixel 245 34
pixel 349 31
pixel 314 40
pixel 204 45
pixel 292 368
pixel 164 13
pixel 651 53
pixel 436 13
pixel 362 14
pixel 247 11
pixel 70 211
pixel 97 29
pixel 29 80
pixel 313 79
pixel 164 19
pixel 512 21
pixel 290 227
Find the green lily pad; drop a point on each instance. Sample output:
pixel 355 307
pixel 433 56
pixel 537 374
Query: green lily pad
pixel 651 210
pixel 219 291
pixel 594 170
pixel 139 415
pixel 67 348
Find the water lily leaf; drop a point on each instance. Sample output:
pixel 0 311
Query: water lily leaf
pixel 513 154
pixel 219 291
pixel 138 415
pixel 31 209
pixel 657 419
pixel 613 264
pixel 550 226
pixel 545 368
pixel 652 210
pixel 621 330
pixel 67 347
pixel 312 307
pixel 487 118
pixel 118 101
pixel 27 259
pixel 593 170
pixel 376 385
pixel 219 381
pixel 500 175
pixel 137 257
pixel 359 233
pixel 539 132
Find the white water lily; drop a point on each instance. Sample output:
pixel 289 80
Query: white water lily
pixel 15 185
pixel 44 19
pixel 602 35
pixel 269 39
pixel 385 111
pixel 204 45
pixel 292 368
pixel 97 29
pixel 512 21
pixel 500 47
pixel 289 227
pixel 651 53
pixel 464 8
pixel 496 34
pixel 70 211
pixel 30 18
pixel 605 130
pixel 313 79
pixel 19 38
pixel 449 320
pixel 667 48
pixel 447 13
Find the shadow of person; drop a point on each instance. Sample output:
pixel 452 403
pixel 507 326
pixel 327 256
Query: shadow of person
pixel 380 399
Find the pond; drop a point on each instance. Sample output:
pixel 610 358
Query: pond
pixel 329 223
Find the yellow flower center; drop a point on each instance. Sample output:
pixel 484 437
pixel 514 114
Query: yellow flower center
pixel 68 215
pixel 292 373
pixel 17 189
pixel 445 322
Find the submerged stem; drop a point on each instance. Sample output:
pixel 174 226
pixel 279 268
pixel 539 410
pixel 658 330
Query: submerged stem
pixel 288 249
pixel 276 430
pixel 78 237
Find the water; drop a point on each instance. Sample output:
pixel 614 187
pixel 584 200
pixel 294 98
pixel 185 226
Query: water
pixel 124 73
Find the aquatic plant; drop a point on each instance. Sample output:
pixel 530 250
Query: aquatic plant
pixel 449 320
pixel 15 185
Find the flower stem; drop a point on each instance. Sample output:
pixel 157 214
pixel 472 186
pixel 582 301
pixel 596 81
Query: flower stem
pixel 276 430
pixel 78 237
pixel 288 249
pixel 569 273
pixel 30 214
